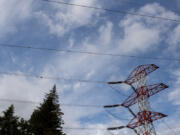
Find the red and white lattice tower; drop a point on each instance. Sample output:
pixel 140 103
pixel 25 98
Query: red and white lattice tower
pixel 142 123
pixel 143 102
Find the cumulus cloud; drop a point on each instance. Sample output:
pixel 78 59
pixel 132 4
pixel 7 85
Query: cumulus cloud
pixel 174 96
pixel 21 88
pixel 137 35
pixel 174 37
pixel 106 34
pixel 141 33
pixel 12 13
pixel 70 17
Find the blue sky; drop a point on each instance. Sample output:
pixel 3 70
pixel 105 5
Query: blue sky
pixel 43 24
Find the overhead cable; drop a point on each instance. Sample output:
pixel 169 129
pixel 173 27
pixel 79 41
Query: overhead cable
pixel 142 3
pixel 112 10
pixel 51 78
pixel 167 125
pixel 86 52
pixel 117 91
pixel 82 128
pixel 63 104
pixel 114 116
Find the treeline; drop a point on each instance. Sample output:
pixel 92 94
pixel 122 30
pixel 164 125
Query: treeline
pixel 45 120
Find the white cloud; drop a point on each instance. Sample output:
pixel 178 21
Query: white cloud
pixel 13 12
pixel 21 88
pixel 174 38
pixel 67 18
pixel 174 96
pixel 169 125
pixel 106 33
pixel 86 67
pixel 140 34
pixel 138 37
pixel 143 33
pixel 158 10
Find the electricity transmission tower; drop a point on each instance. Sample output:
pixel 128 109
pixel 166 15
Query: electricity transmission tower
pixel 142 123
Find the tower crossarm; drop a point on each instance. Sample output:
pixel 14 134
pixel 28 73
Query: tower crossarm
pixel 116 128
pixel 145 116
pixel 142 122
pixel 140 70
pixel 143 91
pixel 112 106
pixel 153 89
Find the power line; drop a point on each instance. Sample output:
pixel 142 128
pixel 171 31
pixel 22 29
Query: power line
pixel 69 105
pixel 78 105
pixel 110 132
pixel 114 116
pixel 143 3
pixel 63 104
pixel 166 124
pixel 82 128
pixel 52 78
pixel 169 127
pixel 19 101
pixel 114 11
pixel 131 2
pixel 117 91
pixel 86 52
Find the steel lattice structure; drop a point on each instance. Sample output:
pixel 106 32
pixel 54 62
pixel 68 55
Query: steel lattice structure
pixel 142 123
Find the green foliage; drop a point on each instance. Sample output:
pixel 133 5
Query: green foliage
pixel 24 127
pixel 47 119
pixel 9 122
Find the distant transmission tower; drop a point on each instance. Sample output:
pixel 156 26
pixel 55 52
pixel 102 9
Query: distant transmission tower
pixel 142 123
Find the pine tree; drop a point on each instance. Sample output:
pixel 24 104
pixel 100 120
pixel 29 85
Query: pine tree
pixel 47 119
pixel 9 122
pixel 24 127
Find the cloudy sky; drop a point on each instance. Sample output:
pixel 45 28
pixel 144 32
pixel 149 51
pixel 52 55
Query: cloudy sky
pixel 51 25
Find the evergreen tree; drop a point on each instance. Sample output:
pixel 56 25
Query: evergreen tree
pixel 9 122
pixel 47 119
pixel 24 127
